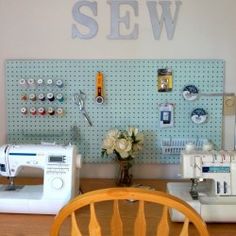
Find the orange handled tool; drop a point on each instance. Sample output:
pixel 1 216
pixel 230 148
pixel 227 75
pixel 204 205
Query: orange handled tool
pixel 99 88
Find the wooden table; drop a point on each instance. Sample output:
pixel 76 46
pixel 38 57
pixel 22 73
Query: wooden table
pixel 39 225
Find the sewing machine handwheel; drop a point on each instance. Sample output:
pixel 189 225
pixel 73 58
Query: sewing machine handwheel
pixel 57 183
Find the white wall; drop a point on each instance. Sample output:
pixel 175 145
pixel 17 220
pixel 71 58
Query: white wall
pixel 42 29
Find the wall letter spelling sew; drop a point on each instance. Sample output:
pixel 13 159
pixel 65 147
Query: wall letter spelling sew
pixel 165 17
pixel 85 20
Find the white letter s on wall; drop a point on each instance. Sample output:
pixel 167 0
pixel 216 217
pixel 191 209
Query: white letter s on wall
pixel 85 20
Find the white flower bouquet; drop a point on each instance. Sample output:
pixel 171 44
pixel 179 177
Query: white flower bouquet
pixel 124 144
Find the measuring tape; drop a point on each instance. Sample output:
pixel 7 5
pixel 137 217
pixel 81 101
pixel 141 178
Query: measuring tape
pixel 99 88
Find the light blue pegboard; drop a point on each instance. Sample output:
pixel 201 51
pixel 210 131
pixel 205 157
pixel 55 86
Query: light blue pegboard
pixel 131 99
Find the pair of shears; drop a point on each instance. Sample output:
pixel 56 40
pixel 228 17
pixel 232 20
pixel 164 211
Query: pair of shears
pixel 79 100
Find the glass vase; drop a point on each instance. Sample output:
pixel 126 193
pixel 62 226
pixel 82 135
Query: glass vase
pixel 125 177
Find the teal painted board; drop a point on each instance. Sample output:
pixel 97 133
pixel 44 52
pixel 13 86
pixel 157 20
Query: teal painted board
pixel 131 99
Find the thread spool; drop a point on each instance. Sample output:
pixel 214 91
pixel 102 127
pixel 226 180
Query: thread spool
pixel 60 97
pixel 33 111
pixel 50 97
pixel 31 83
pixel 49 82
pixel 207 147
pixel 60 111
pixel 189 147
pixel 41 111
pixel 59 83
pixel 23 83
pixel 40 82
pixel 32 97
pixel 41 97
pixel 23 110
pixel 51 111
pixel 23 97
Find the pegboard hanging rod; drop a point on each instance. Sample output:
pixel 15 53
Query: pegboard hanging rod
pixel 216 94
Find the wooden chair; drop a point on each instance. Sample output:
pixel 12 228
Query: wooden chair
pixel 116 224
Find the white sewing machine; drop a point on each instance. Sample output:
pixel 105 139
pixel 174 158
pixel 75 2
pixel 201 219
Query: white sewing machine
pixel 59 177
pixel 213 189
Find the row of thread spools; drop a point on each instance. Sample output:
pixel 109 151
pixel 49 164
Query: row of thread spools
pixel 42 111
pixel 33 83
pixel 42 97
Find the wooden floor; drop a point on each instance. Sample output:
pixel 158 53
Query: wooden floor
pixel 39 225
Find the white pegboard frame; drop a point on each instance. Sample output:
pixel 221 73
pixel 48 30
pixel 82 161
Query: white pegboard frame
pixel 131 98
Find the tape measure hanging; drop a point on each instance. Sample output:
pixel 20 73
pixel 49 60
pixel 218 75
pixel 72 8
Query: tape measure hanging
pixel 99 88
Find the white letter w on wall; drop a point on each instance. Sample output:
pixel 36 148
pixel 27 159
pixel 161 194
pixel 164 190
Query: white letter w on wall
pixel 157 24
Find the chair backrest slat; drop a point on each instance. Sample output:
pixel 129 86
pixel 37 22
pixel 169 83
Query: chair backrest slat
pixel 163 226
pixel 74 226
pixel 116 222
pixel 94 226
pixel 184 231
pixel 140 221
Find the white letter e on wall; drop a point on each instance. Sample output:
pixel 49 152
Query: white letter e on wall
pixel 116 19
